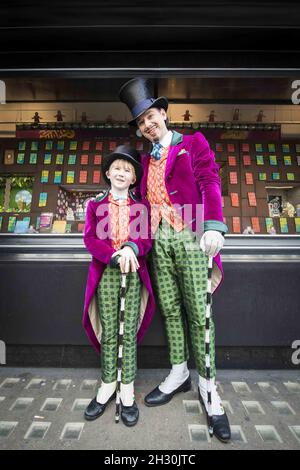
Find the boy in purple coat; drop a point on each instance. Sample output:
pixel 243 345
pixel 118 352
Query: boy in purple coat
pixel 117 234
pixel 181 181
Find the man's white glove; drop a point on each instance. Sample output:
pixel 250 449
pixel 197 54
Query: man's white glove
pixel 212 242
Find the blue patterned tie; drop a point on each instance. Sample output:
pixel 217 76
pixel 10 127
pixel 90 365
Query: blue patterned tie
pixel 156 151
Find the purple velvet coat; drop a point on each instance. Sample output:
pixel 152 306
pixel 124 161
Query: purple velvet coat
pixel 192 177
pixel 101 250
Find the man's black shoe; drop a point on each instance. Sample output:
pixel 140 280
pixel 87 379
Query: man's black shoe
pixel 95 409
pixel 157 398
pixel 130 414
pixel 220 423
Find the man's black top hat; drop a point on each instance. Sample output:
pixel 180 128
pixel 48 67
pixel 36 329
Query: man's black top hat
pixel 137 94
pixel 123 152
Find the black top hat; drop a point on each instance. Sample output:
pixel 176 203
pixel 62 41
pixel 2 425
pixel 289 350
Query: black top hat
pixel 137 94
pixel 124 152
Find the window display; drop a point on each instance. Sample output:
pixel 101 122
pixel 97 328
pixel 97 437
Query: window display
pixel 260 177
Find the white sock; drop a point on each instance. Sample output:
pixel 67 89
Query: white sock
pixel 127 394
pixel 178 374
pixel 217 407
pixel 105 391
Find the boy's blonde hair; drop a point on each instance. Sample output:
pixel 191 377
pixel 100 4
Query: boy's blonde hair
pixel 125 164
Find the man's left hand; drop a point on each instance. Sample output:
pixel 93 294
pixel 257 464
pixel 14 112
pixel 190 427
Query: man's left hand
pixel 212 242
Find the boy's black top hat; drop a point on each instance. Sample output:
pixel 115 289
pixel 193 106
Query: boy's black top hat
pixel 123 152
pixel 137 94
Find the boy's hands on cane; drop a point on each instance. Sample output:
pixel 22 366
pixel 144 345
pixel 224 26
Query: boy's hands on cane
pixel 127 261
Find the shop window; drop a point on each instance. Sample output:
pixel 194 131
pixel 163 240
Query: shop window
pixel 16 193
pixel 224 177
pixel 71 207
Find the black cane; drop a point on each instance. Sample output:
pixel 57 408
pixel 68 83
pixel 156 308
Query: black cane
pixel 207 344
pixel 120 345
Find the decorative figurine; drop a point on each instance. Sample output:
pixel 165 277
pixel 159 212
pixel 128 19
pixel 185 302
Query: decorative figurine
pixel 36 118
pixel 59 116
pixel 187 115
pixel 260 116
pixel 211 116
pixel 236 114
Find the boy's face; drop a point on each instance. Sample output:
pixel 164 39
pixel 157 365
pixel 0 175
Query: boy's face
pixel 152 124
pixel 121 174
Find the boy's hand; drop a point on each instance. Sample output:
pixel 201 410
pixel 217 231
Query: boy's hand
pixel 128 261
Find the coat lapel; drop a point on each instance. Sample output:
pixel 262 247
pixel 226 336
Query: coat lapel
pixel 176 142
pixel 145 163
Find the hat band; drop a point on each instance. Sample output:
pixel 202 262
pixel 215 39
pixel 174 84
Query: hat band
pixel 142 106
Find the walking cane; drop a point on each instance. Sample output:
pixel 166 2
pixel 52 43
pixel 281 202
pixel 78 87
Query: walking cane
pixel 207 345
pixel 120 345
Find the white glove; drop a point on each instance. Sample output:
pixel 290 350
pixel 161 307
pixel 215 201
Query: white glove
pixel 212 242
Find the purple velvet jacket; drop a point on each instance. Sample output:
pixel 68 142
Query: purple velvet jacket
pixel 100 247
pixel 192 177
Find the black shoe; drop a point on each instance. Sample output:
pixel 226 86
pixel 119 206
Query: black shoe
pixel 220 424
pixel 157 398
pixel 130 414
pixel 95 409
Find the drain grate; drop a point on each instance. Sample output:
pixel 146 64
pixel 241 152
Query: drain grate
pixel 295 431
pixel 80 404
pixel 72 431
pixel 241 387
pixel 37 430
pixel 63 384
pixel 253 407
pixel 51 404
pixel 237 434
pixel 36 384
pixel 283 408
pixel 88 385
pixel 268 433
pixel 293 387
pixel 6 428
pixel 267 387
pixel 9 383
pixel 21 403
pixel 192 406
pixel 198 433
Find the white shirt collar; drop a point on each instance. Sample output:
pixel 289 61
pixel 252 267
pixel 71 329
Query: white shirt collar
pixel 166 140
pixel 116 197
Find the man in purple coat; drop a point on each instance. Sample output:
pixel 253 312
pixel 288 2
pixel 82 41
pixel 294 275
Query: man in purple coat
pixel 182 184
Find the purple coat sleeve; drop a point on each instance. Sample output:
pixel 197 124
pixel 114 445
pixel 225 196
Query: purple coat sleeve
pixel 206 173
pixel 98 248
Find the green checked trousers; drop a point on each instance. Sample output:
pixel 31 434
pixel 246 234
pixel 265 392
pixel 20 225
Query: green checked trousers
pixel 108 297
pixel 179 275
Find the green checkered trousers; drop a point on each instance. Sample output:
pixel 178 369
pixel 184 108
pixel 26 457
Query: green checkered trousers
pixel 179 271
pixel 108 298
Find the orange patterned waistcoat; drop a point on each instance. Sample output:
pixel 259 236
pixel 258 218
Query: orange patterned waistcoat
pixel 119 213
pixel 157 195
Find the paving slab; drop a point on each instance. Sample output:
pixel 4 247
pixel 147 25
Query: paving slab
pixel 42 408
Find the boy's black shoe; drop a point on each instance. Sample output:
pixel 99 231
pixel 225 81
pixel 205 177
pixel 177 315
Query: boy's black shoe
pixel 95 409
pixel 130 414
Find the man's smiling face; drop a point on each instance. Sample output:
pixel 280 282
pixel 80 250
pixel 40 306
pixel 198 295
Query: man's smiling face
pixel 152 124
